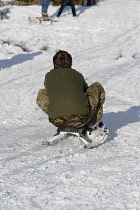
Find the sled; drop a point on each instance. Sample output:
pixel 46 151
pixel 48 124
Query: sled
pixel 98 139
pixel 40 20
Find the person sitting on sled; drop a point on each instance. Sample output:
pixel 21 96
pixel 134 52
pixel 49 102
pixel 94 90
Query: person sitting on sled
pixel 67 99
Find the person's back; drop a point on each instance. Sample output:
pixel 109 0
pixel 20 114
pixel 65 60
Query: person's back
pixel 66 89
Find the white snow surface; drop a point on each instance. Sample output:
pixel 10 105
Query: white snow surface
pixel 104 42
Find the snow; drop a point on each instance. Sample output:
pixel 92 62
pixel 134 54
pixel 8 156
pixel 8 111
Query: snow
pixel 104 42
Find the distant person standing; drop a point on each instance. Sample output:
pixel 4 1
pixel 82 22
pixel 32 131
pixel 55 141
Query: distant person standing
pixel 45 5
pixel 63 4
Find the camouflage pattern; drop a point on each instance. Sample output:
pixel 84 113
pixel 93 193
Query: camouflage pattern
pixel 75 121
pixel 96 97
pixel 42 100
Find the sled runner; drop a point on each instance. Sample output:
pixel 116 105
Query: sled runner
pixel 90 139
pixel 40 20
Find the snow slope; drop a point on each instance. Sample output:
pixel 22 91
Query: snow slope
pixel 104 42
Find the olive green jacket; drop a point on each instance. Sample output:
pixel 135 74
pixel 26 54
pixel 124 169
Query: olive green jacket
pixel 66 90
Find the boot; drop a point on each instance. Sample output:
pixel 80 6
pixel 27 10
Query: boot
pixel 58 15
pixel 44 15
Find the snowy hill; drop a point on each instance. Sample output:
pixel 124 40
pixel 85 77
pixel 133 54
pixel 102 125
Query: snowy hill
pixel 104 42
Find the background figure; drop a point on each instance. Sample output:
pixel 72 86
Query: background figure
pixel 45 5
pixel 64 4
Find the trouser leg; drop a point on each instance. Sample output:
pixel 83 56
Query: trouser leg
pixel 96 96
pixel 62 7
pixel 73 7
pixel 45 5
pixel 42 100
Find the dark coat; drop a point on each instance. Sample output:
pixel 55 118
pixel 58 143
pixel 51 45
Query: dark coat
pixel 66 90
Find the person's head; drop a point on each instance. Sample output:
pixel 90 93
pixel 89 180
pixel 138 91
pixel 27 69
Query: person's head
pixel 62 59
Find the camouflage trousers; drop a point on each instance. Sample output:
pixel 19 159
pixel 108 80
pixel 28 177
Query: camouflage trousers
pixel 96 97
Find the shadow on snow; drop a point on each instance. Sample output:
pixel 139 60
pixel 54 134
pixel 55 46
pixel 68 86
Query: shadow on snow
pixel 18 59
pixel 117 120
